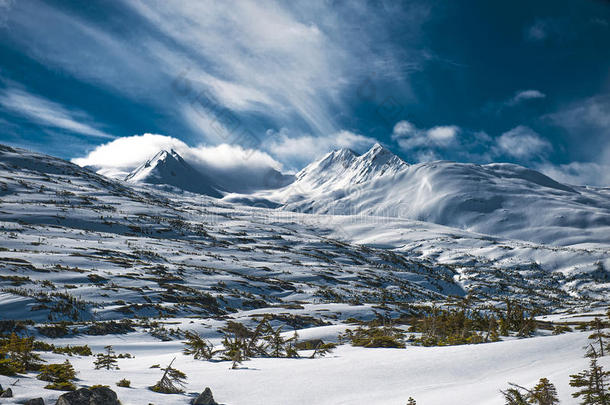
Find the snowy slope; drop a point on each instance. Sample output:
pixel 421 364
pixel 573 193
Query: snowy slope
pixel 70 226
pixel 458 375
pixel 168 168
pixel 77 246
pixel 496 199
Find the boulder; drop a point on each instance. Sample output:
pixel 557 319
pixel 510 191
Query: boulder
pixel 89 396
pixel 35 401
pixel 8 393
pixel 205 398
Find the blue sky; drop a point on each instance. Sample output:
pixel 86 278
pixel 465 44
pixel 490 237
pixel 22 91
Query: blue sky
pixel 471 81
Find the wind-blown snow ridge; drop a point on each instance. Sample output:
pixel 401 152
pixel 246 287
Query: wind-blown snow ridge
pixel 499 199
pixel 68 225
pixel 77 246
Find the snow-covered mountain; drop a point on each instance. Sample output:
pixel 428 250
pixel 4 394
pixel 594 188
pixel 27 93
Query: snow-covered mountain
pixel 343 168
pixel 79 247
pixel 497 199
pixel 168 168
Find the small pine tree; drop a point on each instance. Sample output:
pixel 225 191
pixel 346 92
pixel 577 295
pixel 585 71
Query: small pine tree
pixel 411 401
pixel 20 353
pixel 234 350
pixel 198 347
pixel 322 349
pixel 277 345
pixel 592 384
pixel 291 350
pixel 543 393
pixel 598 338
pixel 172 381
pixel 106 360
pixel 59 376
pixel 276 342
pixel 514 396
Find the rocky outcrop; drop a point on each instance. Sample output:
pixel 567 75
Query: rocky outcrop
pixel 205 398
pixel 35 401
pixel 89 396
pixel 8 393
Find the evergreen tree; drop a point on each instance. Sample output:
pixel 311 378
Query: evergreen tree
pixel 241 343
pixel 171 382
pixel 198 347
pixel 411 401
pixel 598 338
pixel 543 393
pixel 592 384
pixel 20 353
pixel 291 349
pixel 106 360
pixel 59 376
pixel 277 345
pixel 234 350
pixel 514 396
pixel 322 349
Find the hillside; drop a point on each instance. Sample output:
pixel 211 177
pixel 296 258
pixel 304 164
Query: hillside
pixel 89 260
pixel 499 199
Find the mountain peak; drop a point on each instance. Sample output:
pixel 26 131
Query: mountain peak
pixel 168 168
pixel 380 157
pixel 343 167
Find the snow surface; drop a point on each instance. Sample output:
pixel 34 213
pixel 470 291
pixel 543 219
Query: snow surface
pixel 469 374
pixel 497 199
pixel 122 250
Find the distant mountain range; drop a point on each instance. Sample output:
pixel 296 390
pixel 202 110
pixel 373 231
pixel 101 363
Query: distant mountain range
pixel 497 199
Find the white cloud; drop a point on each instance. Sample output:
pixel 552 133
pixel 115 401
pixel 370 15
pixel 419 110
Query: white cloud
pixel 48 113
pixel 409 137
pixel 585 115
pixel 301 150
pixel 233 167
pixel 537 31
pixel 128 152
pixel 443 135
pixel 522 142
pixel 578 173
pixel 291 62
pixel 524 95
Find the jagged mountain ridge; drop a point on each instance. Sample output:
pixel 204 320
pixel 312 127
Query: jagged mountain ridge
pixel 62 225
pixel 169 168
pixel 343 167
pixel 497 199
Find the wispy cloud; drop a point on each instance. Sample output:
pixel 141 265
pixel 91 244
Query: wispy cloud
pixel 426 141
pixel 48 113
pixel 229 165
pixel 588 115
pixel 301 150
pixel 538 31
pixel 522 143
pixel 289 64
pixel 524 95
pixel 578 173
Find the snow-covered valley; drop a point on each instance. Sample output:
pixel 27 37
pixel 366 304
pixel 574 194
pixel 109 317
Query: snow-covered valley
pixel 80 248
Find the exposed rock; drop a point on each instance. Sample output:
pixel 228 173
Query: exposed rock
pixel 89 396
pixel 205 398
pixel 35 401
pixel 7 394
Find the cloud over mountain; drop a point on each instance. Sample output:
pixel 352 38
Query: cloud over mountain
pixel 233 167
